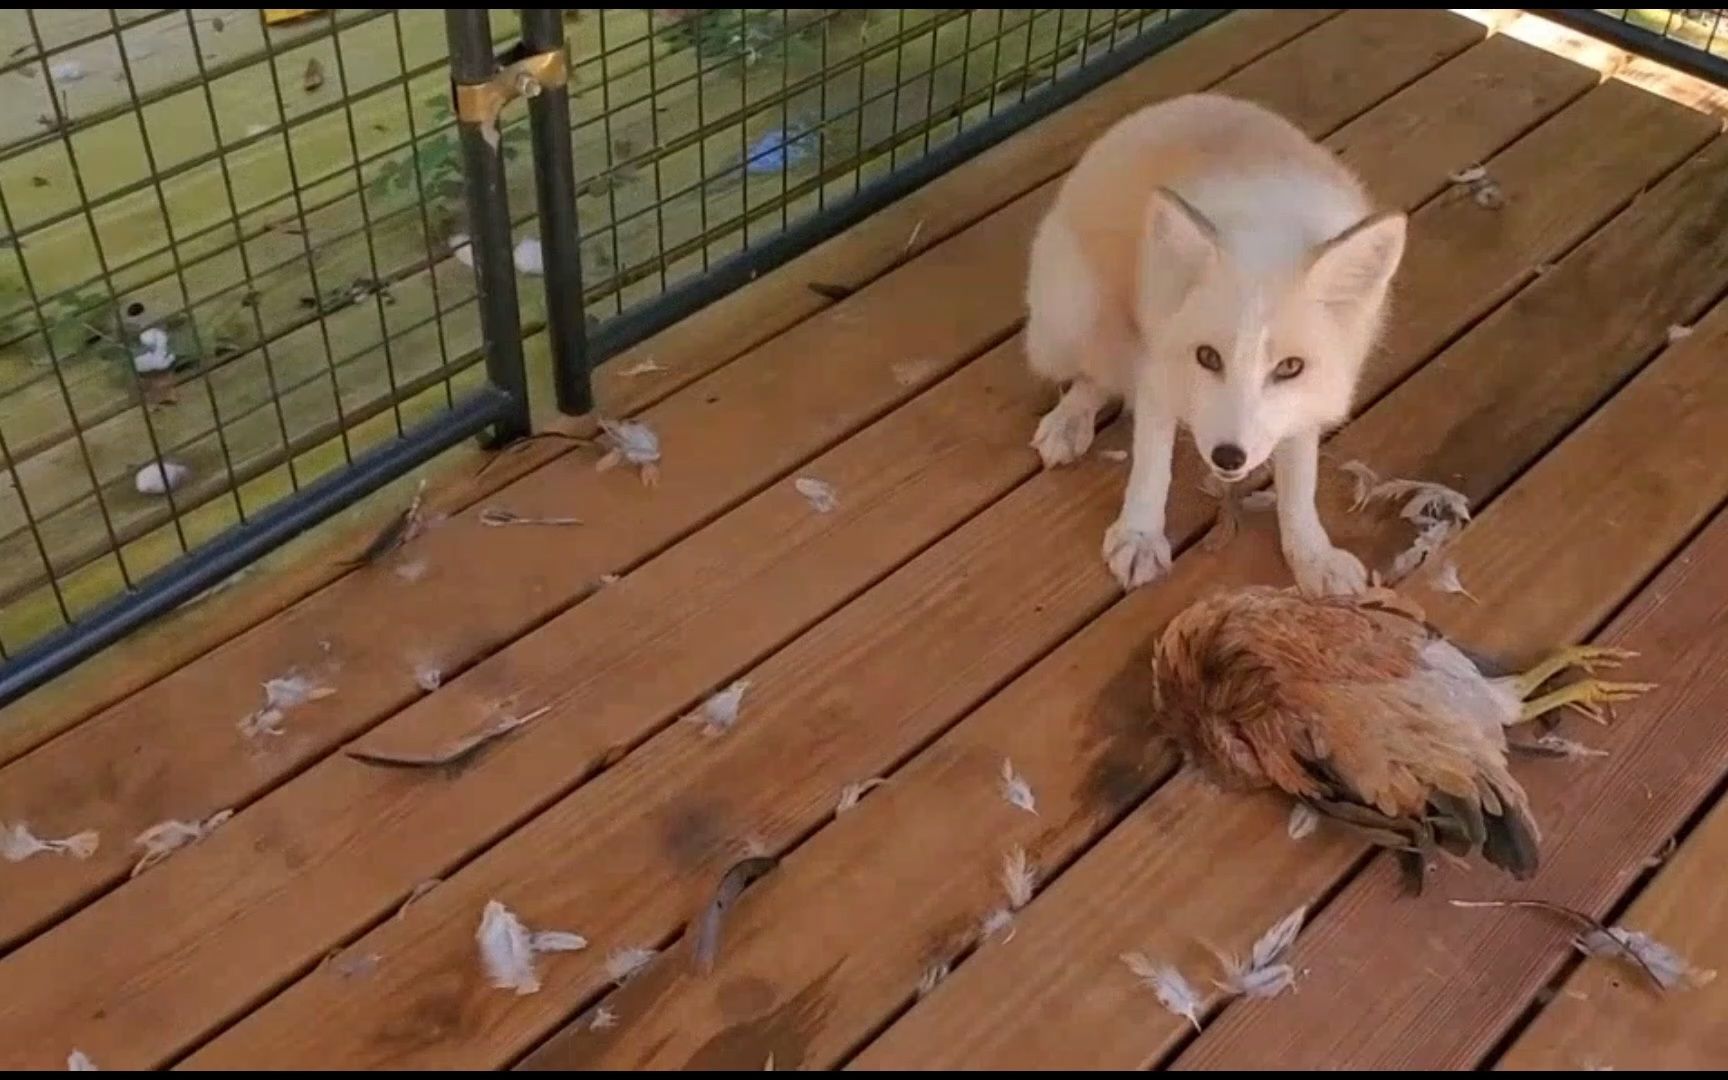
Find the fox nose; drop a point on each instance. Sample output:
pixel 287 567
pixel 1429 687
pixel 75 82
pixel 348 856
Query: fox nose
pixel 1228 457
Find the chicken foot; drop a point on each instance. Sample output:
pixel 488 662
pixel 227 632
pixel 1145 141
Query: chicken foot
pixel 1588 696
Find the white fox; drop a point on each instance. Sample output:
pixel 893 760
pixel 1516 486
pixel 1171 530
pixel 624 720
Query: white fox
pixel 1210 266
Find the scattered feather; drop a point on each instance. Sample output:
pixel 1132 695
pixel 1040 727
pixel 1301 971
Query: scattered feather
pixel 1561 746
pixel 79 1061
pixel 1446 580
pixel 1260 501
pixel 738 877
pixel 1264 974
pixel 1366 480
pixel 313 77
pixel 912 240
pixel 528 256
pixel 851 793
pixel 1016 790
pixel 719 713
pixel 1664 855
pixel 1172 989
pixel 912 372
pixel 611 579
pixel 457 753
pixel 416 893
pixel 162 840
pixel 1018 880
pixel 1303 822
pixel 1666 968
pixel 159 478
pixel 624 963
pixel 932 977
pixel 1113 455
pixel 994 922
pixel 398 532
pixel 1438 512
pixel 1469 176
pixel 462 249
pixel 603 1018
pixel 281 695
pixel 428 676
pixel 497 516
pixel 411 570
pixel 819 493
pixel 634 442
pixel 18 843
pixel 356 965
pixel 768 1066
pixel 507 948
pixel 643 367
pixel 1483 190
pixel 1678 333
pixel 157 356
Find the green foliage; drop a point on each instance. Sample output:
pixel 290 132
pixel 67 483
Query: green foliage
pixel 724 35
pixel 435 166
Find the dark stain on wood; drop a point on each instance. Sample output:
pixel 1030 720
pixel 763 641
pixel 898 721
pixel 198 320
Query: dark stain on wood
pixel 784 1033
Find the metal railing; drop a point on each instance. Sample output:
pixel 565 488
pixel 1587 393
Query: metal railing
pixel 250 273
pixel 1692 40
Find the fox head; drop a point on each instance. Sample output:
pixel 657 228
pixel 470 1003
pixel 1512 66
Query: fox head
pixel 1255 351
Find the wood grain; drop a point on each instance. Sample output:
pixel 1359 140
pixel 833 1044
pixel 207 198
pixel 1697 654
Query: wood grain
pixel 1405 984
pixel 687 351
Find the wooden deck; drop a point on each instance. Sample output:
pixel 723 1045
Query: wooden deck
pixel 951 613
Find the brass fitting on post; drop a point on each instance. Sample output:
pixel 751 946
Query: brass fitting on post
pixel 482 103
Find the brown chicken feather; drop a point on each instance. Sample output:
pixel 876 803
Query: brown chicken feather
pixel 1358 707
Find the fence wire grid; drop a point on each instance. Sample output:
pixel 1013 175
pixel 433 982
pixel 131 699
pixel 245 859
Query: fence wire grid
pixel 237 287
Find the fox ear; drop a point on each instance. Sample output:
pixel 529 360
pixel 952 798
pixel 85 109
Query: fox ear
pixel 1353 268
pixel 1177 245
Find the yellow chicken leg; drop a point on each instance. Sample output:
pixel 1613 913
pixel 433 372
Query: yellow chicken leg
pixel 1587 696
pixel 1589 658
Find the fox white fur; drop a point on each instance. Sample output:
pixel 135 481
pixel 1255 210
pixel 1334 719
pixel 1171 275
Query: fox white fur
pixel 1211 267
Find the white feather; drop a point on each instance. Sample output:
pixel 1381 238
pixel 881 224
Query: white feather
pixel 528 257
pixel 720 712
pixel 508 948
pixel 1016 790
pixel 1167 982
pixel 642 367
pixel 79 1061
pixel 162 840
pixel 818 493
pixel 1669 967
pixel 851 793
pixel 157 356
pixel 621 964
pixel 1303 822
pixel 18 843
pixel 603 1018
pixel 1017 878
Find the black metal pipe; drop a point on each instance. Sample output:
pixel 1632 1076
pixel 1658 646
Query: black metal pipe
pixel 738 270
pixel 1678 55
pixel 239 546
pixel 560 236
pixel 471 64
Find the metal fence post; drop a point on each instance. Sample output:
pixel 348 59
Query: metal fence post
pixel 560 236
pixel 479 97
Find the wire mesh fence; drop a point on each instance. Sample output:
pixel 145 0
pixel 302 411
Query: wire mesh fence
pixel 237 285
pixel 1693 40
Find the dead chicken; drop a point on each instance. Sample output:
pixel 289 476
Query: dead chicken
pixel 1362 710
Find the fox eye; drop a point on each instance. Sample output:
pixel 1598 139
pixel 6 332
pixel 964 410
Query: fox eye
pixel 1289 368
pixel 1208 358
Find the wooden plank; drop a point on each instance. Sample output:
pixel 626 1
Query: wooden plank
pixel 687 351
pixel 1450 999
pixel 1200 867
pixel 668 775
pixel 1065 728
pixel 1602 1017
pixel 1448 983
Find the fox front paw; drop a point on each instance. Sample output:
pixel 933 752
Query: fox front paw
pixel 1063 436
pixel 1325 570
pixel 1135 556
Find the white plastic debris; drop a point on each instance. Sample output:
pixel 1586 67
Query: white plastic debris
pixel 281 695
pixel 157 355
pixel 1168 983
pixel 508 948
pixel 67 71
pixel 720 712
pixel 621 964
pixel 159 479
pixel 163 840
pixel 79 1061
pixel 818 493
pixel 1016 790
pixel 528 256
pixel 18 843
pixel 1303 822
